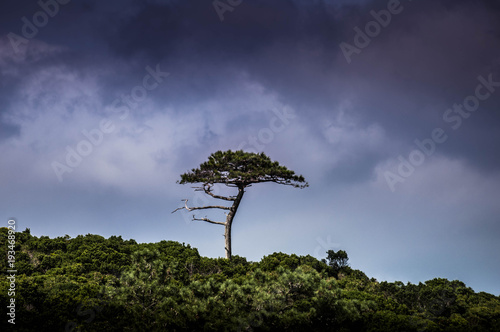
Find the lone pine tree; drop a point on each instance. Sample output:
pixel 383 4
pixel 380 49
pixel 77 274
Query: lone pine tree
pixel 240 170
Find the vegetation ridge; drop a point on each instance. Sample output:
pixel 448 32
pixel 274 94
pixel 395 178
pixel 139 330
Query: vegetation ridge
pixel 90 283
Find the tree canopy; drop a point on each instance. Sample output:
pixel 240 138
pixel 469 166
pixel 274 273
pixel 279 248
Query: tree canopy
pixel 236 169
pixel 241 168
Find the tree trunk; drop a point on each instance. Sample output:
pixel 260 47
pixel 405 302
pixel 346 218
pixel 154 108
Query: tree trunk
pixel 229 220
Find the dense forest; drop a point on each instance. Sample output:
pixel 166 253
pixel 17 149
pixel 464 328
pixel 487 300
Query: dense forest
pixel 90 283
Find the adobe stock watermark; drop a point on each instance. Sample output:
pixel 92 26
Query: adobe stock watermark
pixel 454 117
pixel 94 137
pixel 30 27
pixel 222 6
pixel 11 271
pixel 277 124
pixel 86 310
pixel 325 245
pixel 372 29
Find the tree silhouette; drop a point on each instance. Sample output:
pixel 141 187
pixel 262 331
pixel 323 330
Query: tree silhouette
pixel 240 170
pixel 337 260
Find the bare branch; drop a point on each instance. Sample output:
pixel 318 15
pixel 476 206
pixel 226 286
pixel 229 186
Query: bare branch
pixel 210 221
pixel 231 198
pixel 210 207
pixel 207 188
pixel 201 207
pixel 184 207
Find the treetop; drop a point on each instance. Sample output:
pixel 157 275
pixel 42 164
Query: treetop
pixel 241 169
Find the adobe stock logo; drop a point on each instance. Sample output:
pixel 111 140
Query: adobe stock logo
pixel 266 135
pixel 372 29
pixel 324 246
pixel 454 117
pixel 29 30
pixel 225 6
pixel 122 106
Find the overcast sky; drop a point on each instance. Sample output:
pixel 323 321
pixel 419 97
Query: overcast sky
pixel 389 109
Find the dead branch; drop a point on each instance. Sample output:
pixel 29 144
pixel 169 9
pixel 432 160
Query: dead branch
pixel 207 188
pixel 210 221
pixel 201 207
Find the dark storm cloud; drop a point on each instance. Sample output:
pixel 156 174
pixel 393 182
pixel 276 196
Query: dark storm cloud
pixel 426 59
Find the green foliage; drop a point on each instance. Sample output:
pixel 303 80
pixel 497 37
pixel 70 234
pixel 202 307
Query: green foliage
pixel 242 169
pixel 337 260
pixel 291 262
pixel 95 284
